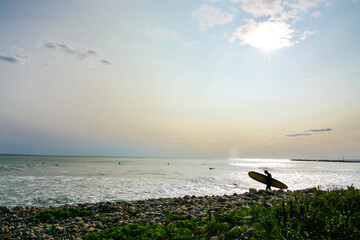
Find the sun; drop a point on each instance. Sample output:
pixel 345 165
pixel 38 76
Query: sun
pixel 269 36
pixel 266 36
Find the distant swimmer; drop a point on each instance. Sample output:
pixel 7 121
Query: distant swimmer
pixel 211 168
pixel 119 163
pixel 268 180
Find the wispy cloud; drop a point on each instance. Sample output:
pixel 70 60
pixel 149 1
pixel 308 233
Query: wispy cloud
pixel 316 14
pixel 298 134
pixel 209 16
pixel 259 8
pixel 106 62
pixel 15 55
pixel 192 44
pixel 305 4
pixel 307 132
pixel 8 58
pixel 160 33
pixel 320 130
pixel 80 53
pixel 305 35
pixel 213 1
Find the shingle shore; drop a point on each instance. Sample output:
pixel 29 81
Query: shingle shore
pixel 21 223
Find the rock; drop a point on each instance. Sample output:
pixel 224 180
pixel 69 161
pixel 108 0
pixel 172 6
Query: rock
pixel 252 190
pixel 24 224
pixel 248 234
pixel 214 238
pixel 255 197
pixel 99 225
pixel 222 199
pixel 59 229
pixel 235 230
pixel 5 209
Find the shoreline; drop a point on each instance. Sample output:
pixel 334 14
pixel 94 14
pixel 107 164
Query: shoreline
pixel 20 222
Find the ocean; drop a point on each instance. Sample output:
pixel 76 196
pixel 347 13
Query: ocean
pixel 58 180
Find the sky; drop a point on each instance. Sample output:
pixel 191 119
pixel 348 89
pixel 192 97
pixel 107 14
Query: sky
pixel 181 78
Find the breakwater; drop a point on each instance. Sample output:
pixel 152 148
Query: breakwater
pixel 325 160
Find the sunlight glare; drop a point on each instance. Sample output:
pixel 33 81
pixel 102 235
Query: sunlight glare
pixel 269 36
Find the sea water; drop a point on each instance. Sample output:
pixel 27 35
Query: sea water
pixel 57 180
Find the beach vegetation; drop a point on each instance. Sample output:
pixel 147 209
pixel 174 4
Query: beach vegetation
pixel 52 214
pixel 323 215
pixel 314 215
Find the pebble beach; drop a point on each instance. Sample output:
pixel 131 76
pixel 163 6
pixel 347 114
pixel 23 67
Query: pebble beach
pixel 21 222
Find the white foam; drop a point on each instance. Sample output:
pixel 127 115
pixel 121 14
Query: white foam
pixel 67 181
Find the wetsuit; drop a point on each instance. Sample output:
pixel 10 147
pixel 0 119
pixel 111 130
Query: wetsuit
pixel 268 181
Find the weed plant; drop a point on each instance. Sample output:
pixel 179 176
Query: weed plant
pixel 49 215
pixel 317 215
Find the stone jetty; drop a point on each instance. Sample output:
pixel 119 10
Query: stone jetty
pixel 21 222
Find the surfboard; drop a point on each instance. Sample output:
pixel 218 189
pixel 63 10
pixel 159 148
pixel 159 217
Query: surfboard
pixel 262 178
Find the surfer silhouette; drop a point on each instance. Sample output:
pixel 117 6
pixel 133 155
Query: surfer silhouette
pixel 268 180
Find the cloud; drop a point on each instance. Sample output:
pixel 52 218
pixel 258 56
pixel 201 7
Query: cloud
pixel 316 14
pixel 16 55
pixel 278 9
pixel 267 35
pixel 209 16
pixel 309 134
pixel 305 4
pixel 106 62
pixel 11 59
pixel 274 31
pixel 306 34
pixel 320 130
pixel 260 8
pixel 298 135
pixel 192 44
pixel 298 6
pixel 161 34
pixel 82 54
pixel 271 25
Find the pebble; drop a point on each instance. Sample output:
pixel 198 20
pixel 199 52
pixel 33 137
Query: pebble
pixel 20 222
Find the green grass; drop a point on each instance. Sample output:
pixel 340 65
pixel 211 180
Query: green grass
pixel 326 215
pixel 322 215
pixel 49 215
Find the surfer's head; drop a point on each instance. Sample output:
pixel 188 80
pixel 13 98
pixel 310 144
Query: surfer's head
pixel 266 172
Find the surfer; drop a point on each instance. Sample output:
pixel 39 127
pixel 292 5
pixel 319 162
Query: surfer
pixel 268 180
